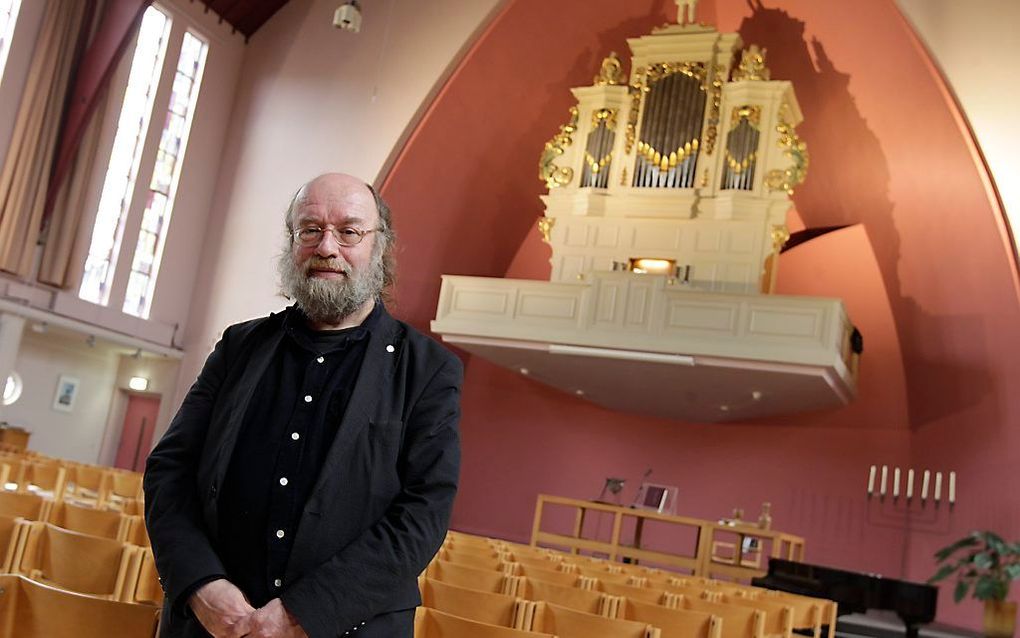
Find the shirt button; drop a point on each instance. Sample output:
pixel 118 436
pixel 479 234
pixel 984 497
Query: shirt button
pixel 308 398
pixel 295 436
pixel 277 583
pixel 321 359
pixel 390 348
pixel 283 480
pixel 279 533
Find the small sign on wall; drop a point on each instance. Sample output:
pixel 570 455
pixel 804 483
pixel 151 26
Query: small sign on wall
pixel 67 392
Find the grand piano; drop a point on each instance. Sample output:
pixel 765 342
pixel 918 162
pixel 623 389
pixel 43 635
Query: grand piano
pixel 914 603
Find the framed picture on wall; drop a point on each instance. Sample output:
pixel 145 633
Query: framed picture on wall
pixel 67 392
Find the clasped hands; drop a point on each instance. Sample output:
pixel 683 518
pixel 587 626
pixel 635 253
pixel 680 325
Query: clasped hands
pixel 225 613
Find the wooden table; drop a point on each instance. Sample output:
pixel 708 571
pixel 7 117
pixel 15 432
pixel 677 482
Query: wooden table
pixel 697 559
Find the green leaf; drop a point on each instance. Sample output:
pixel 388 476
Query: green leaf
pixel 943 571
pixel 983 560
pixel 961 590
pixel 989 588
pixel 995 542
pixel 947 551
pixel 1013 571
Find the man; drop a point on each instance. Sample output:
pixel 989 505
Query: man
pixel 308 477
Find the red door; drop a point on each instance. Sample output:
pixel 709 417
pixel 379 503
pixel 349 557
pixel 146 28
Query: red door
pixel 136 435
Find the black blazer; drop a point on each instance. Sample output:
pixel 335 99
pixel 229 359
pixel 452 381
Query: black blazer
pixel 380 507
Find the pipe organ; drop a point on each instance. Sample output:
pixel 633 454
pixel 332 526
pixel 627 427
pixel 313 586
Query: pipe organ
pixel 668 188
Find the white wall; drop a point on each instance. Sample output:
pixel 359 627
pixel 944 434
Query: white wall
pixel 42 359
pixel 976 45
pixel 311 99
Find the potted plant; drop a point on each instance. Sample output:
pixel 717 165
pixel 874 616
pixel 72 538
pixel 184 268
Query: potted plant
pixel 984 565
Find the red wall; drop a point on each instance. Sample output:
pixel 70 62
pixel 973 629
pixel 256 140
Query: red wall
pixel 925 273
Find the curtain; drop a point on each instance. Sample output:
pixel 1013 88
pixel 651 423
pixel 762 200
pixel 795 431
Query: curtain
pixel 79 139
pixel 26 171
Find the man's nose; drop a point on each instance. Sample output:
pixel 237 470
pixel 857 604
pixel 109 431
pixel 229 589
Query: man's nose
pixel 328 246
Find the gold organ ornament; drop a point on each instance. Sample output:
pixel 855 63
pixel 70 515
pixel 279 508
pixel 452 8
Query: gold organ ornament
pixel 611 72
pixel 556 176
pixel 545 226
pixel 796 150
pixel 752 65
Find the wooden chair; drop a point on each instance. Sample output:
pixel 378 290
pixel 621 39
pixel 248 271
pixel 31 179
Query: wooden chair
pixel 467 577
pixel 778 621
pixel 142 584
pixel 10 533
pixel 569 623
pixel 564 579
pixel 25 505
pixel 88 520
pixel 591 602
pixel 136 532
pixel 494 609
pixel 43 478
pixel 604 575
pixel 649 595
pixel 696 592
pixel 86 481
pixel 737 621
pixel 809 614
pixel 73 561
pixel 33 610
pixel 429 623
pixel 674 623
pixel 121 488
pixel 492 561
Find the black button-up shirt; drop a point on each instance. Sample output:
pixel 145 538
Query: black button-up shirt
pixel 285 437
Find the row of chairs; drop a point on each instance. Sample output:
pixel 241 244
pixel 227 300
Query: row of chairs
pixel 75 560
pixel 672 604
pixel 59 479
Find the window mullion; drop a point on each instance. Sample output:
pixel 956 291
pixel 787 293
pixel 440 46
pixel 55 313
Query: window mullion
pixel 133 221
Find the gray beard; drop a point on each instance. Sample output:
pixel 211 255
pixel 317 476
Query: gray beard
pixel 329 301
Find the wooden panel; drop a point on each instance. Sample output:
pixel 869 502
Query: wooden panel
pixel 488 302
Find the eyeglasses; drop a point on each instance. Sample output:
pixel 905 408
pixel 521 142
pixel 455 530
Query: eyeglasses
pixel 347 236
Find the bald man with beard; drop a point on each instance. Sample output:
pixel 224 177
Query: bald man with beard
pixel 308 477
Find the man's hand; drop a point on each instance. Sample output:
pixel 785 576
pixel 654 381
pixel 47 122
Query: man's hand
pixel 274 621
pixel 222 609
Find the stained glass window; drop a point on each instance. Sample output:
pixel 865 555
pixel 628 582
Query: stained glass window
pixel 165 174
pixel 143 79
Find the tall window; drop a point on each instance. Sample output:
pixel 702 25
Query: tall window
pixel 8 18
pixel 143 79
pixel 165 175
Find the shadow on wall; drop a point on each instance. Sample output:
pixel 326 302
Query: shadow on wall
pixel 839 138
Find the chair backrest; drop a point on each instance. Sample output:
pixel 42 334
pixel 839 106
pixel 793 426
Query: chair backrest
pixel 33 610
pixel 25 505
pixel 778 614
pixel 674 623
pixel 46 477
pixel 472 559
pixel 9 534
pixel 88 520
pixel 88 480
pixel 643 594
pixel 487 607
pixel 696 592
pixel 122 485
pixel 604 575
pixel 73 561
pixel 571 597
pixel 570 623
pixel 564 579
pixel 143 586
pixel 429 623
pixel 136 532
pixel 468 577
pixel 809 614
pixel 737 621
